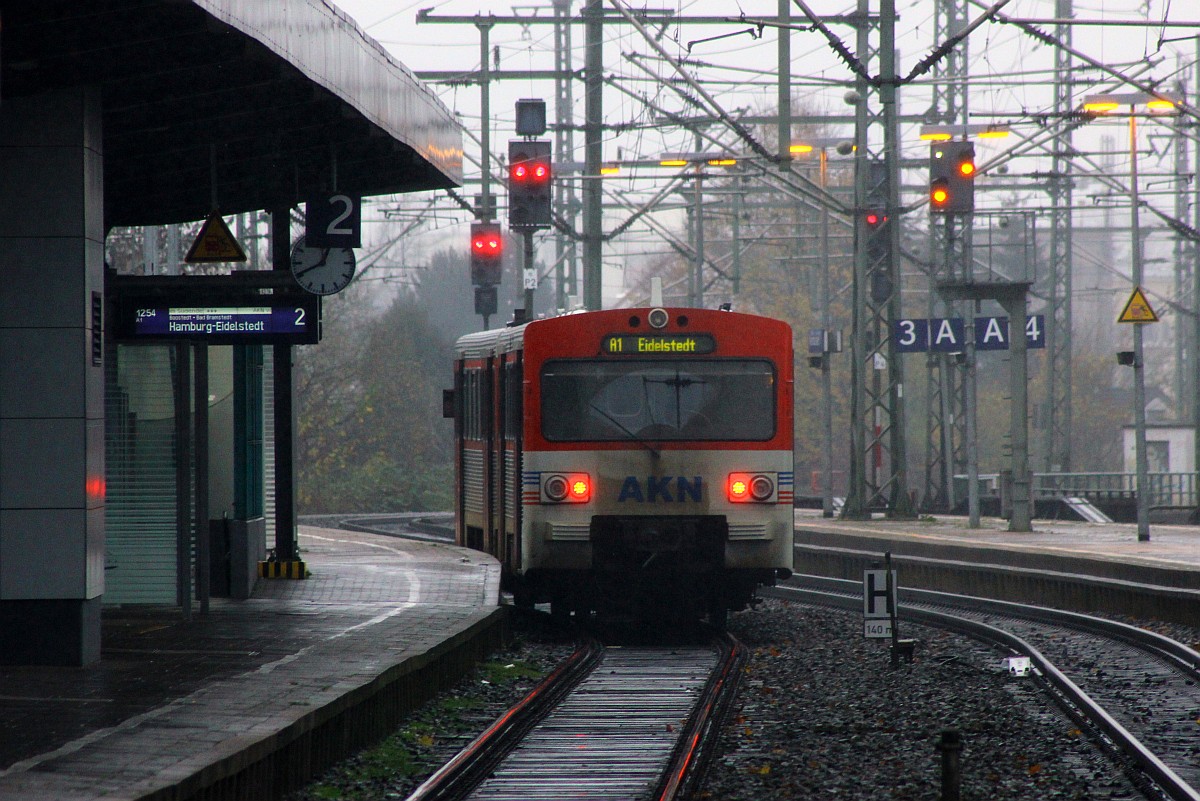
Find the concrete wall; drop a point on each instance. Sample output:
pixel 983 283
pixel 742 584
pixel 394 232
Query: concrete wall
pixel 51 385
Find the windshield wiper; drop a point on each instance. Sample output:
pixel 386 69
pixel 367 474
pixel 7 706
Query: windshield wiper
pixel 630 434
pixel 677 383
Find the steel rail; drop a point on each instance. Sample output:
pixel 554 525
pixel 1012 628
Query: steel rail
pixel 1084 706
pixel 472 764
pixel 697 743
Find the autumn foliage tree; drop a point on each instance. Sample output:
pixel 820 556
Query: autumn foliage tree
pixel 371 437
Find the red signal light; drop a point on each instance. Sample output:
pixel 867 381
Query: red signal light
pixel 534 172
pixel 486 244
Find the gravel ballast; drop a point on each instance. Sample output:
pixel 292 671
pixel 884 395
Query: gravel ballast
pixel 822 714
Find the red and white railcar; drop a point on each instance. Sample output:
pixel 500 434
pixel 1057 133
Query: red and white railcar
pixel 634 460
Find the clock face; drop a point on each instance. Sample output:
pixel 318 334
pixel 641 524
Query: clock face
pixel 322 271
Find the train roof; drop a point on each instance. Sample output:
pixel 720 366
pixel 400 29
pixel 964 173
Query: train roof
pixel 482 344
pixel 488 343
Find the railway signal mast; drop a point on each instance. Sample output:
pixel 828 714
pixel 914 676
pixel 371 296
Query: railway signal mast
pixel 529 182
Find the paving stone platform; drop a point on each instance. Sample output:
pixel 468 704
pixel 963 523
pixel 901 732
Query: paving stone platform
pixel 227 703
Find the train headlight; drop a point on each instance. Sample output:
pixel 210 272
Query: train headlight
pixel 751 488
pixel 762 488
pixel 556 488
pixel 566 488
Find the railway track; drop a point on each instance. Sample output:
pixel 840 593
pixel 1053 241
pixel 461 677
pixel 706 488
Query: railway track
pixel 618 723
pixel 423 526
pixel 1136 692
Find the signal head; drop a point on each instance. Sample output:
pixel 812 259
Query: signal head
pixel 487 252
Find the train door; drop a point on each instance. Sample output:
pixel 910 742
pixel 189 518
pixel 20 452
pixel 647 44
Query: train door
pixel 474 456
pixel 513 392
pixel 459 413
pixel 495 450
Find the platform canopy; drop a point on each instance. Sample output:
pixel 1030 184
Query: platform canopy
pixel 273 93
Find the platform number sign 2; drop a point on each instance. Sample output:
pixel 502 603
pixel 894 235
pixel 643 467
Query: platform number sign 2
pixel 333 222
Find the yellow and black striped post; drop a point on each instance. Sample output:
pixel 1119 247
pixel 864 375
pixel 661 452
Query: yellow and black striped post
pixel 284 570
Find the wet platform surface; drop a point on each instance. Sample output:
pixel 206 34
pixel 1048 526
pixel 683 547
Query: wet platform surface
pixel 171 698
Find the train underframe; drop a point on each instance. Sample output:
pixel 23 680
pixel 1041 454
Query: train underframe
pixel 669 569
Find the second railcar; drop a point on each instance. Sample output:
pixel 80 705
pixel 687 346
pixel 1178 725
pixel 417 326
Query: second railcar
pixel 631 460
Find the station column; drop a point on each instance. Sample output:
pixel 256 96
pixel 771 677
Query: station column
pixel 51 378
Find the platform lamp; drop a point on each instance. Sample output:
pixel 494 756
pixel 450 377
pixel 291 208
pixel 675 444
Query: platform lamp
pixel 1140 104
pixel 698 160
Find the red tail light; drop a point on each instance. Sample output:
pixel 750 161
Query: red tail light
pixel 566 488
pixel 581 490
pixel 739 487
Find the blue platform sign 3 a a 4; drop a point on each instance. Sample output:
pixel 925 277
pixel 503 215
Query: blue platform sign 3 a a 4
pixel 948 334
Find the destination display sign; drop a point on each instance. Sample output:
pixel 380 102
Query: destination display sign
pixel 657 344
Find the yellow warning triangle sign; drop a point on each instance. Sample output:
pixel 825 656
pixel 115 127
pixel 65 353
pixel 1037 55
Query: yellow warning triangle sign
pixel 1138 309
pixel 215 242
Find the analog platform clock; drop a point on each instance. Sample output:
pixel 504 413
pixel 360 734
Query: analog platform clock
pixel 322 271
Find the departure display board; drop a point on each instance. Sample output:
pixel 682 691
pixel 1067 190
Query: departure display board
pixel 244 322
pixel 262 308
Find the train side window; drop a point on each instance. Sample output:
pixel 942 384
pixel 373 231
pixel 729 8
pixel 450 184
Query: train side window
pixel 472 406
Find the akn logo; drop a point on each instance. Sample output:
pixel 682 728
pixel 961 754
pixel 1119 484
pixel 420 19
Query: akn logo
pixel 664 489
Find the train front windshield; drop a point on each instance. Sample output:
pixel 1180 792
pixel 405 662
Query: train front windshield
pixel 661 400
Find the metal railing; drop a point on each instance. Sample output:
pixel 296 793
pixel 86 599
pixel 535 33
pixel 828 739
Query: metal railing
pixel 1178 490
pixel 1164 489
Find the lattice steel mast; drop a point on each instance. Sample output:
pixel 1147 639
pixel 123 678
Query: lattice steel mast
pixel 1058 327
pixel 877 375
pixel 944 438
